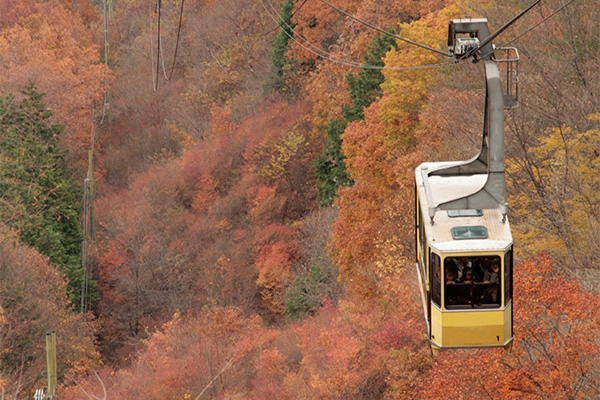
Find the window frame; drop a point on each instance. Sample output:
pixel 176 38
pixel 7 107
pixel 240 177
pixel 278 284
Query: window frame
pixel 432 268
pixel 477 289
pixel 508 276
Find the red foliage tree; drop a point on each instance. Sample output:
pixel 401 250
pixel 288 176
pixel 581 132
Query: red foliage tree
pixel 33 301
pixel 556 348
pixel 277 251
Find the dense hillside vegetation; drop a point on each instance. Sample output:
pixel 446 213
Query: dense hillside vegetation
pixel 254 212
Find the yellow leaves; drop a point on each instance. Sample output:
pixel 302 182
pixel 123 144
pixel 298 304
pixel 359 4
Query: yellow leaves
pixel 281 152
pixel 559 198
pixel 186 141
pixel 404 90
pixel 391 267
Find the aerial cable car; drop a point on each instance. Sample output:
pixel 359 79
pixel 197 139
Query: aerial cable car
pixel 464 246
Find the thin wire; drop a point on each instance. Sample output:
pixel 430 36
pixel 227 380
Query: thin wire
pixel 384 31
pixel 87 250
pixel 291 28
pixel 84 248
pixel 277 27
pixel 87 245
pixel 159 2
pixel 539 23
pixel 170 75
pixel 532 28
pixel 331 58
pixel 162 58
pixel 177 41
pixel 154 77
pixel 106 93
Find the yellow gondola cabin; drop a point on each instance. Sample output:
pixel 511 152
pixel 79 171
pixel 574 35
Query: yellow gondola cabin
pixel 467 304
pixel 464 254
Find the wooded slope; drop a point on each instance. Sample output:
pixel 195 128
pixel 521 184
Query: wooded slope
pixel 254 217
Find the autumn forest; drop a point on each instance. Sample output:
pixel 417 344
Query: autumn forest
pixel 212 199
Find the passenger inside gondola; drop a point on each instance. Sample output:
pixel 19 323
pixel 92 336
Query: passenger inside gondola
pixel 479 284
pixel 492 276
pixel 463 263
pixel 452 290
pixel 451 277
pixel 467 276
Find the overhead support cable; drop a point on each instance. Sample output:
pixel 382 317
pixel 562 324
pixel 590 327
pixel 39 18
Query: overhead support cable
pixel 502 29
pixel 539 23
pixel 170 74
pixel 158 5
pixel 386 32
pixel 154 75
pixel 536 25
pixel 293 13
pixel 107 92
pixel 317 50
pixel 177 41
pixel 159 53
pixel 328 56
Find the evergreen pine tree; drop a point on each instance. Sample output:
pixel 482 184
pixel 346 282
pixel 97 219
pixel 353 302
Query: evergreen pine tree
pixel 330 166
pixel 276 80
pixel 38 197
pixel 364 89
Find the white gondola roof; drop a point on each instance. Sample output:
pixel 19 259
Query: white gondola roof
pixel 445 188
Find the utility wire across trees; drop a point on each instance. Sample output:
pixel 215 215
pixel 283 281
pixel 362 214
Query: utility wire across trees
pixel 159 51
pixel 310 47
pixel 384 31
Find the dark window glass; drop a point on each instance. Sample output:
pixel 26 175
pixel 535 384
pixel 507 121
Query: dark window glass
pixel 472 282
pixel 508 266
pixel 436 282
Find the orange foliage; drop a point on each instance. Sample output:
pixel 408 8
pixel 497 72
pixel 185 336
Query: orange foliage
pixel 221 123
pixel 350 353
pixel 271 371
pixel 48 46
pixel 33 301
pixel 327 87
pixel 373 209
pixel 266 206
pixel 318 24
pixel 277 252
pixel 328 91
pixel 210 353
pixel 380 157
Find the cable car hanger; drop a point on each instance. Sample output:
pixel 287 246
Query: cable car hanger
pixel 469 37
